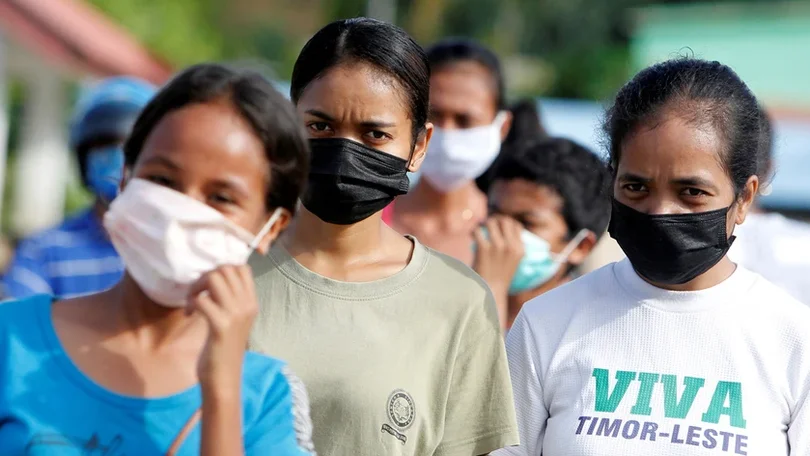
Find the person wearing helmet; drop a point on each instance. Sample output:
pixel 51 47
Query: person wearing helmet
pixel 76 257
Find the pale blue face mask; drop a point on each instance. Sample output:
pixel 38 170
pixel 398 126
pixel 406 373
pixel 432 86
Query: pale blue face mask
pixel 539 264
pixel 104 170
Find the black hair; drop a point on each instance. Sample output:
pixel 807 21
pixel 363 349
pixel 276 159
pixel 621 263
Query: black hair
pixel 766 168
pixel 102 126
pixel 387 47
pixel 526 126
pixel 525 121
pixel 454 50
pixel 702 92
pixel 272 117
pixel 578 175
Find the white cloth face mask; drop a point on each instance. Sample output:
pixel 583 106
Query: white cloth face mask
pixel 458 156
pixel 168 240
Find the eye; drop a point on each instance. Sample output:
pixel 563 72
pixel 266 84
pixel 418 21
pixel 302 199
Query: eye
pixel 319 126
pixel 378 136
pixel 693 192
pixel 635 187
pixel 222 198
pixel 160 180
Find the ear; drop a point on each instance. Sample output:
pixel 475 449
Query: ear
pixel 746 199
pixel 581 252
pixel 278 227
pixel 507 124
pixel 420 148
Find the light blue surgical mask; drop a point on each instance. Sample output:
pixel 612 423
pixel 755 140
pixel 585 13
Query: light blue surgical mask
pixel 539 264
pixel 104 170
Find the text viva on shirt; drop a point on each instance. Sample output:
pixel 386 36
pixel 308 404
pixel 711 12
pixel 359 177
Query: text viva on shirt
pixel 726 400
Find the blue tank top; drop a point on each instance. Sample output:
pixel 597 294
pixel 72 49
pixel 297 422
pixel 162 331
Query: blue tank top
pixel 49 407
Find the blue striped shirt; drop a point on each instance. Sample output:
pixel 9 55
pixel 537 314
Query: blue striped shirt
pixel 73 259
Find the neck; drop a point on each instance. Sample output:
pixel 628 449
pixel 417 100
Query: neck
pixel 312 235
pixel 151 323
pixel 714 276
pixel 428 199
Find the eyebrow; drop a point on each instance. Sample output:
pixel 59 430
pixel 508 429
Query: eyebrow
pixel 159 160
pixel 229 183
pixel 320 114
pixel 366 124
pixel 634 178
pixel 694 181
pixel 691 181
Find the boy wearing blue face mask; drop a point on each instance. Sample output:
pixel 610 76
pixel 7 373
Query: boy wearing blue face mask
pixel 548 205
pixel 76 257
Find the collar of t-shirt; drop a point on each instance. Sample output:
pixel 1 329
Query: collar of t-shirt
pixel 280 258
pixel 727 292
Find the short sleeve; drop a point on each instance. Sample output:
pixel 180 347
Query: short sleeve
pixel 26 276
pixel 480 415
pixel 302 423
pixel 521 348
pixel 283 427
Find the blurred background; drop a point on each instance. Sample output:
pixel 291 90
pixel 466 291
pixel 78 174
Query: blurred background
pixel 571 55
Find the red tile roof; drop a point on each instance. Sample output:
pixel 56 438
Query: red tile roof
pixel 78 36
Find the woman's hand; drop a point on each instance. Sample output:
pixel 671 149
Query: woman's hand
pixel 497 256
pixel 226 297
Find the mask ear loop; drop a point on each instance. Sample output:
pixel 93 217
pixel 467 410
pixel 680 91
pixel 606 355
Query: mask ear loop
pixel 572 244
pixel 265 229
pixel 500 118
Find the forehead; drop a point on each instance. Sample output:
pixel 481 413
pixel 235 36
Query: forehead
pixel 673 147
pixel 356 89
pixel 520 196
pixel 469 82
pixel 207 137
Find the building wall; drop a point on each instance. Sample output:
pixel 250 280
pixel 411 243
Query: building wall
pixel 766 43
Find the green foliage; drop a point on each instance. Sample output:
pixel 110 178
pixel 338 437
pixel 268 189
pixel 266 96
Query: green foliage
pixel 582 43
pixel 182 31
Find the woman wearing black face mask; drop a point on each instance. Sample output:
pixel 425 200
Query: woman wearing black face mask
pixel 399 346
pixel 675 350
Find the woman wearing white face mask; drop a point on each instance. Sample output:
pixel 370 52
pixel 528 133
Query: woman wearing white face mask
pixel 468 110
pixel 157 364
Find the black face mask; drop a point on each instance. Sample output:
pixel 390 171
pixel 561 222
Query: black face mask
pixel 348 181
pixel 670 249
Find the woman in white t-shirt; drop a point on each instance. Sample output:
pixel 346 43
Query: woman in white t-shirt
pixel 674 350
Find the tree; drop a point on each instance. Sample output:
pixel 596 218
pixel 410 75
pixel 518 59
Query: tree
pixel 182 31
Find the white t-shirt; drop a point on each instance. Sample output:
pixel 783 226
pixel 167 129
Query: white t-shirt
pixel 778 248
pixel 610 365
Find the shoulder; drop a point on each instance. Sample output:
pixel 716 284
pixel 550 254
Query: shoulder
pixel 262 375
pixel 67 234
pixel 573 306
pixel 450 274
pixel 21 312
pixel 274 392
pixel 453 287
pixel 580 294
pixel 768 299
pixel 21 321
pixel 269 379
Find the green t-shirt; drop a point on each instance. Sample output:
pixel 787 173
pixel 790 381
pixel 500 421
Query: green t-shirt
pixel 412 365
